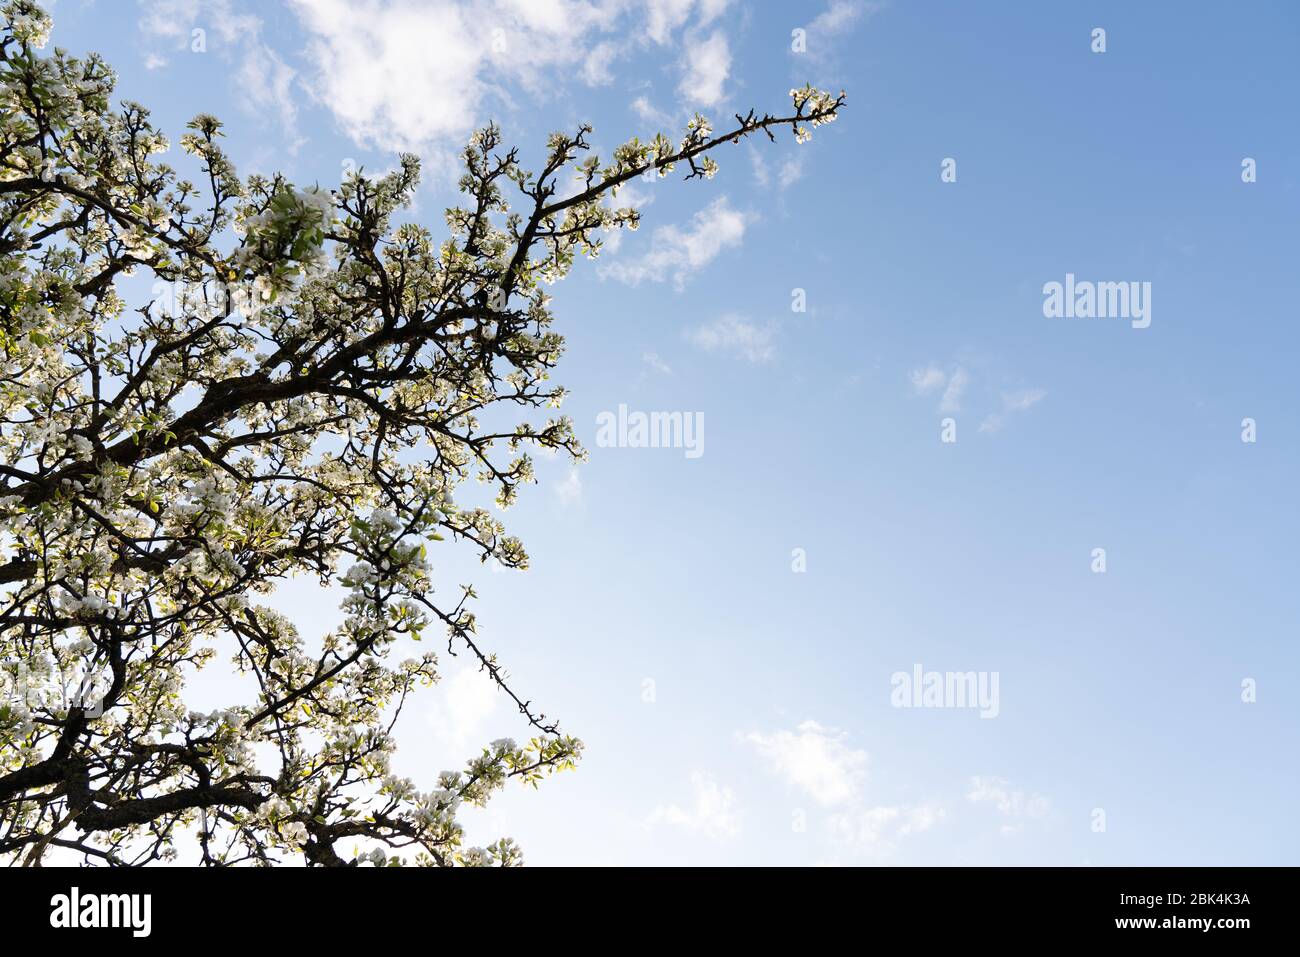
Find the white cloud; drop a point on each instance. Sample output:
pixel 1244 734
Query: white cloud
pixel 420 74
pixel 815 760
pixel 681 252
pixel 265 80
pixel 818 761
pixel 839 17
pixel 792 169
pixel 1012 402
pixel 788 173
pixel 706 66
pixel 663 17
pixel 396 76
pixel 654 362
pixel 706 60
pixel 735 336
pixel 713 812
pixel 631 193
pixel 1020 401
pixel 460 712
pixel 570 490
pixel 175 19
pixel 957 383
pixel 1014 805
pixel 647 112
pixel 267 85
pixel 931 378
pixel 926 380
pixel 402 75
pixel 596 68
pixel 710 10
pixel 878 827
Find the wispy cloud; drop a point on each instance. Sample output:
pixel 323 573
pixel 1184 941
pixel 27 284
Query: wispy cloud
pixel 952 387
pixel 705 62
pixel 657 364
pixel 679 252
pixel 839 17
pixel 879 826
pixel 926 380
pixel 569 492
pixel 459 717
pixel 1014 806
pixel 788 172
pixel 665 17
pixel 952 393
pixel 268 86
pixel 736 336
pixel 1012 402
pixel 597 68
pixel 649 113
pixel 409 76
pixel 931 379
pixel 265 81
pixel 712 812
pixel 814 759
pixel 819 762
pixel 706 65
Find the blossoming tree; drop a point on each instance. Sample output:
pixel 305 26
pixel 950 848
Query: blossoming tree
pixel 302 393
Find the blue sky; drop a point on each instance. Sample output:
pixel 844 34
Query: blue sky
pixel 737 710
